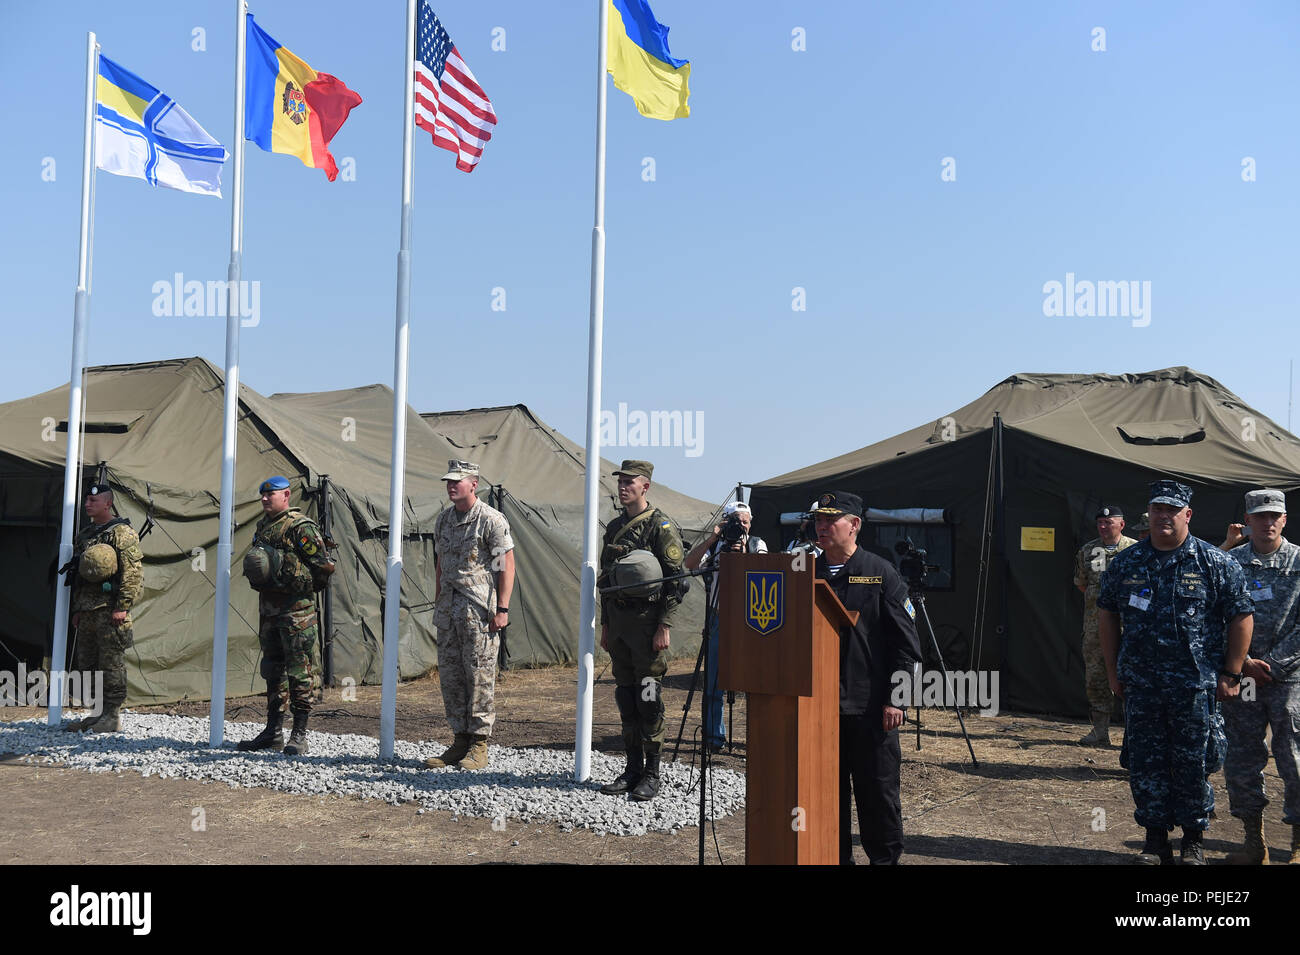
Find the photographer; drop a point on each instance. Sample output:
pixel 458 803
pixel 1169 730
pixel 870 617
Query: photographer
pixel 732 535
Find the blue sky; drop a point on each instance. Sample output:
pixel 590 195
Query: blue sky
pixel 817 169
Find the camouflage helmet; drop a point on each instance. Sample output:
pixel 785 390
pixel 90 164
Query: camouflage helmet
pixel 639 567
pixel 262 565
pixel 98 563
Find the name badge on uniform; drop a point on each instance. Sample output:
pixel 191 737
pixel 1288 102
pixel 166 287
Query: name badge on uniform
pixel 866 580
pixel 1259 592
pixel 1140 600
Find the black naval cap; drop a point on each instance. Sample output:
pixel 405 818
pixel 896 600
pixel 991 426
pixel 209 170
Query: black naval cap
pixel 1170 492
pixel 836 503
pixel 1109 510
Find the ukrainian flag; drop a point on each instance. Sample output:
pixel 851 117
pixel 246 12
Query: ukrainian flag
pixel 640 62
pixel 144 134
pixel 290 107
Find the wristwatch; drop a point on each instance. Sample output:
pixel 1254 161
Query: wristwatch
pixel 1234 677
pixel 503 609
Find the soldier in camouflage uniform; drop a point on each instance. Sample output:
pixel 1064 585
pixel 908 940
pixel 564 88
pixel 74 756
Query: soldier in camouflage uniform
pixel 101 609
pixel 1272 567
pixel 287 562
pixel 476 576
pixel 1089 564
pixel 1186 624
pixel 635 631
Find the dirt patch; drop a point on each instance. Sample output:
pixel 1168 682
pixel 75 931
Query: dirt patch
pixel 1036 796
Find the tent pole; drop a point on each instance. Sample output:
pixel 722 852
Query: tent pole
pixel 327 611
pixel 1001 523
pixel 80 319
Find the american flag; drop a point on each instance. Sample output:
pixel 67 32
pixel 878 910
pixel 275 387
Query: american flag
pixel 449 103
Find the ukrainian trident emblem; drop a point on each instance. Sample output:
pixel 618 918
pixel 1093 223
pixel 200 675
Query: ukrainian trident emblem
pixel 765 600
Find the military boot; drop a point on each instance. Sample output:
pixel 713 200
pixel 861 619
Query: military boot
pixel 1100 735
pixel 109 721
pixel 1157 849
pixel 79 726
pixel 1254 852
pixel 270 737
pixel 297 745
pixel 1190 848
pixel 453 753
pixel 632 773
pixel 648 787
pixel 477 756
pixel 1295 845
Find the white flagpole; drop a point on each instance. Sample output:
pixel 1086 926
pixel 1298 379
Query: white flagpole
pixel 80 318
pixel 397 494
pixel 230 419
pixel 591 518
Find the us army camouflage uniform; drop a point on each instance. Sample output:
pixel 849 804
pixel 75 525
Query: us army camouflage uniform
pixel 101 644
pixel 1089 564
pixel 1273 582
pixel 638 668
pixel 468 547
pixel 288 630
pixel 1174 608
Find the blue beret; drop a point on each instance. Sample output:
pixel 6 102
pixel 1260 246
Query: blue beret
pixel 275 483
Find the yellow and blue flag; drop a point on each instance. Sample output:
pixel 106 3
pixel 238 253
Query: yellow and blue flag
pixel 641 64
pixel 144 134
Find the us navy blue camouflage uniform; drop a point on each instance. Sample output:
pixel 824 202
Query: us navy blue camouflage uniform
pixel 1174 608
pixel 1273 582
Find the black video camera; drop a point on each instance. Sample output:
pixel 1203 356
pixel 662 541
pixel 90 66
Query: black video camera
pixel 732 531
pixel 911 563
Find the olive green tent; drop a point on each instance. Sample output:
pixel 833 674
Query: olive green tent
pixel 157 427
pixel 1019 474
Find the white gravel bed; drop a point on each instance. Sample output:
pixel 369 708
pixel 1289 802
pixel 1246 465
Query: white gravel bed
pixel 528 785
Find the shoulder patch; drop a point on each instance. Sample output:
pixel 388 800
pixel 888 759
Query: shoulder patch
pixel 673 553
pixel 907 605
pixel 666 524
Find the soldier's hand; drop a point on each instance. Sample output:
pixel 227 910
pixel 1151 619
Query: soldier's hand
pixel 499 622
pixel 1236 536
pixel 893 718
pixel 76 619
pixel 119 617
pixel 1116 687
pixel 1227 689
pixel 1258 670
pixel 604 637
pixel 661 640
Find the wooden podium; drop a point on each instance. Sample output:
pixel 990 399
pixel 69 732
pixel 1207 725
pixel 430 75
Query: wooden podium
pixel 779 642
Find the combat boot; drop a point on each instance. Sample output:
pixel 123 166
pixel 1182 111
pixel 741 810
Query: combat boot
pixel 270 737
pixel 452 755
pixel 297 745
pixel 477 756
pixel 1254 852
pixel 109 722
pixel 1157 849
pixel 1295 844
pixel 1100 735
pixel 632 773
pixel 1190 849
pixel 648 787
pixel 79 726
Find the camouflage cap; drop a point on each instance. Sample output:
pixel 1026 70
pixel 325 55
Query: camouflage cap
pixel 1170 492
pixel 459 470
pixel 1143 524
pixel 636 469
pixel 1264 501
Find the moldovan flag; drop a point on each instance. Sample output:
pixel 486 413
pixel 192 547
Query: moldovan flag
pixel 144 134
pixel 290 108
pixel 640 62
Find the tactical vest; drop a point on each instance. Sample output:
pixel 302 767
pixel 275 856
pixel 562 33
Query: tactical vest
pixel 294 578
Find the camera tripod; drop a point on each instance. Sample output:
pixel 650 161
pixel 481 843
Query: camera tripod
pixel 917 594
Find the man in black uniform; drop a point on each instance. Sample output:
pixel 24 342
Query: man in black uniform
pixel 635 631
pixel 882 643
